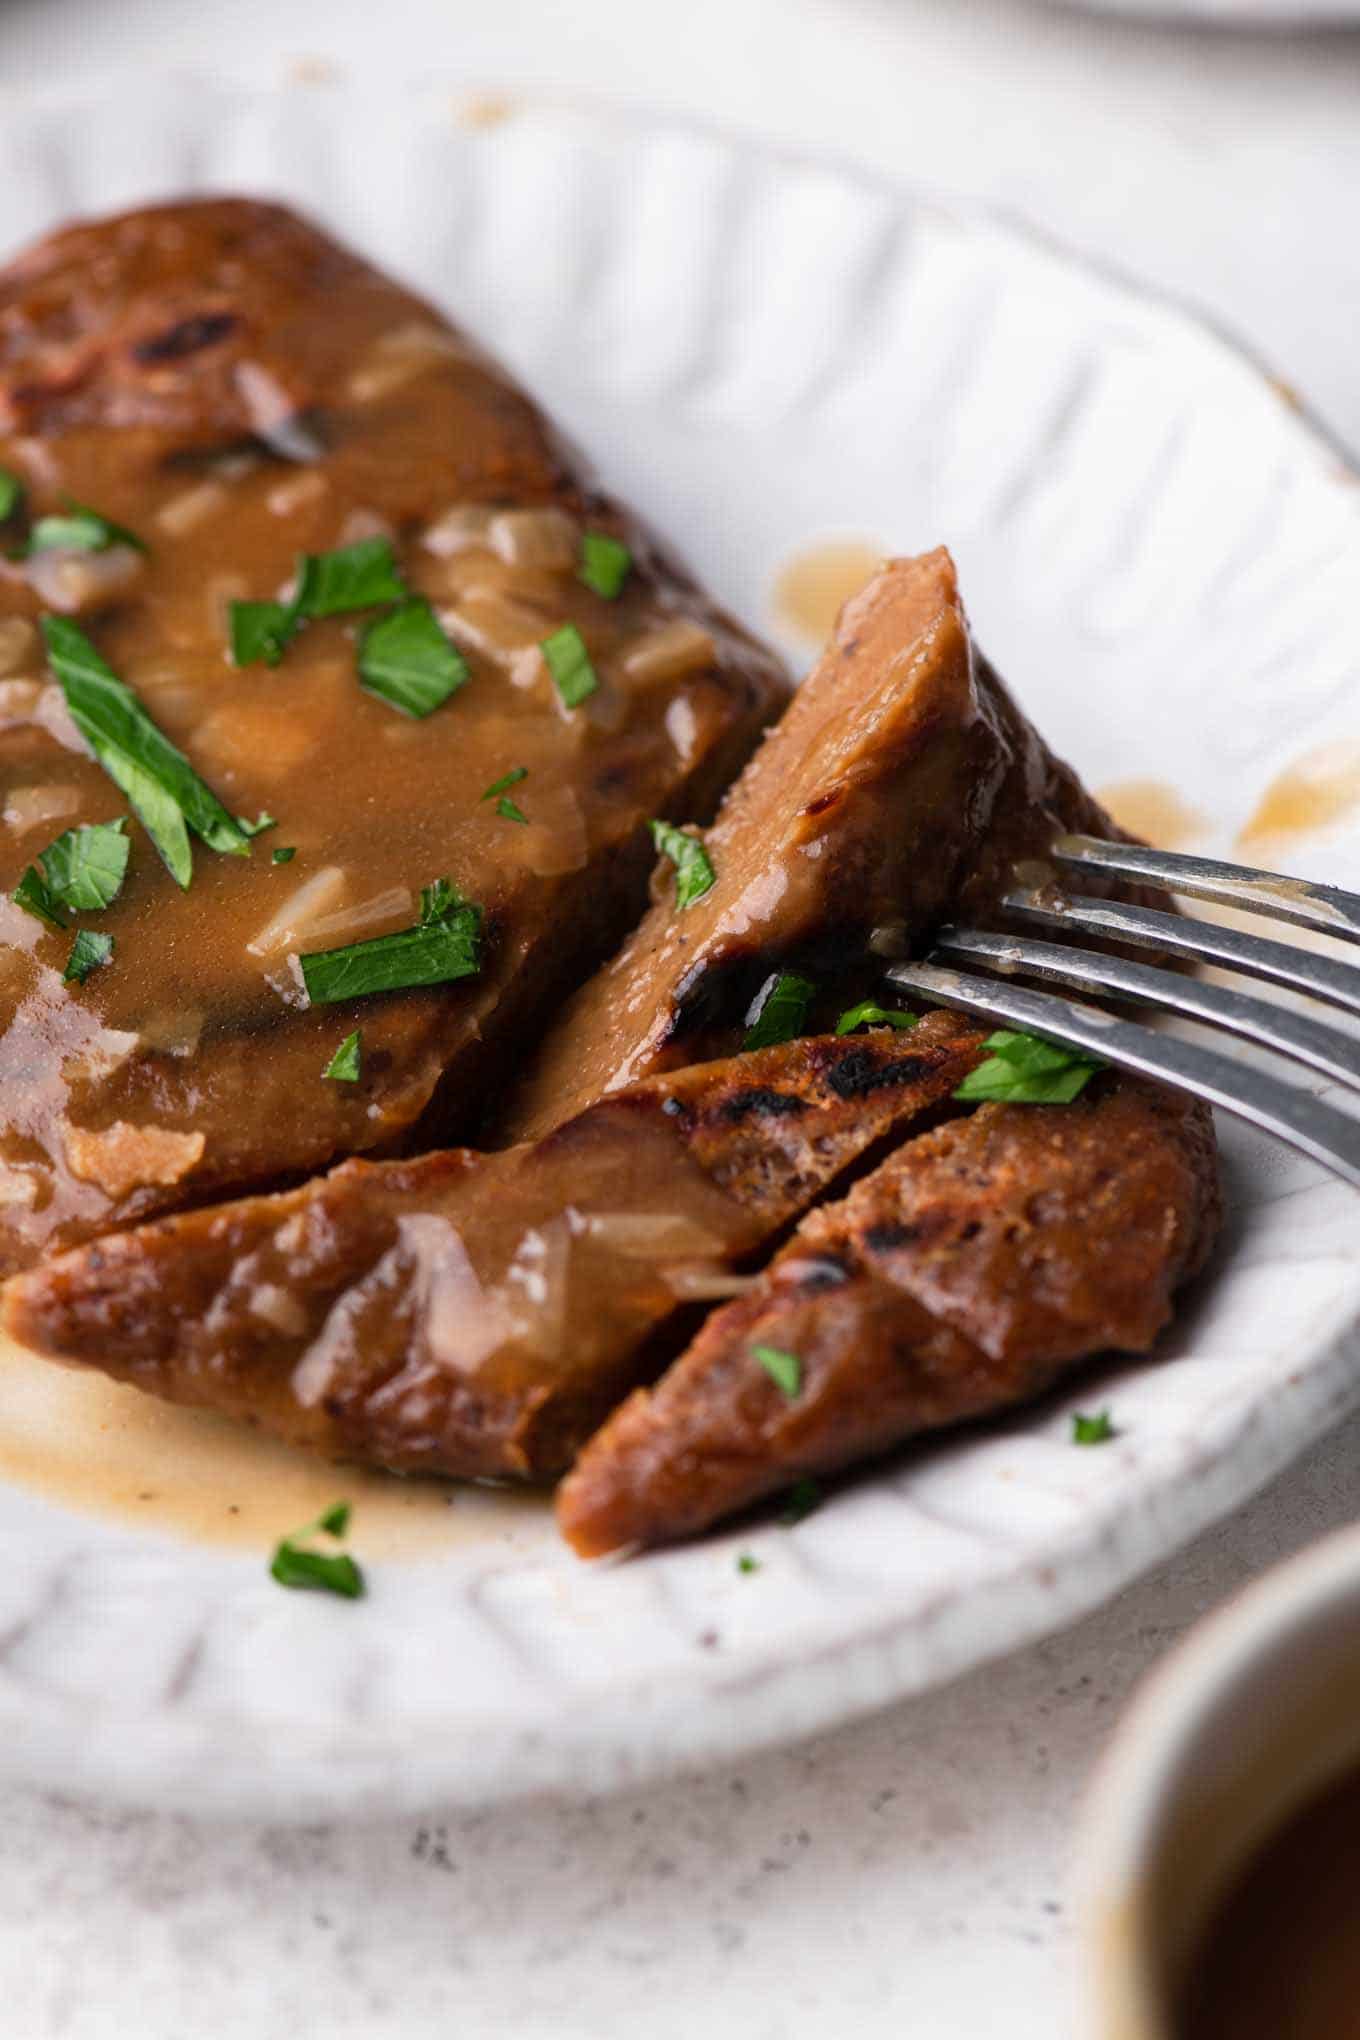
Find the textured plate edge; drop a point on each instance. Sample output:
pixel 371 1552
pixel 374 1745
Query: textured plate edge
pixel 662 1727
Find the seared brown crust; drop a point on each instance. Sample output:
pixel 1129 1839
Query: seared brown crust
pixel 960 1277
pixel 473 1314
pixel 902 781
pixel 135 353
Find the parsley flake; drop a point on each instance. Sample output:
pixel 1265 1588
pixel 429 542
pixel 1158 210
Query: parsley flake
pixel 11 493
pixel 32 895
pixel 82 873
pixel 358 576
pixel 784 1369
pixel 569 663
pixel 261 632
pixel 445 944
pixel 1097 1430
pixel 346 1065
pixel 747 1564
pixel 605 564
pixel 161 786
pixel 407 658
pixel 778 1011
pixel 868 1014
pixel 90 951
pixel 284 854
pixel 85 867
pixel 1022 1069
pixel 694 873
pixel 297 1564
pixel 506 781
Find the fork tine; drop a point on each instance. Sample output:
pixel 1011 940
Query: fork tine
pixel 1282 963
pixel 1292 1115
pixel 1324 907
pixel 1294 1034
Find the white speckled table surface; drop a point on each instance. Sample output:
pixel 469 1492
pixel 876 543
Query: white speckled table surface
pixel 907 1876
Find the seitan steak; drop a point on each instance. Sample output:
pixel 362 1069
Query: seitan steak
pixel 226 385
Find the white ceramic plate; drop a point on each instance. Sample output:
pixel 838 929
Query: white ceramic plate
pixel 762 353
pixel 1277 14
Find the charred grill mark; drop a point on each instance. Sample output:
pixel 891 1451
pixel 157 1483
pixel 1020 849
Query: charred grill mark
pixel 889 1233
pixel 822 802
pixel 861 1072
pixel 186 336
pixel 760 1104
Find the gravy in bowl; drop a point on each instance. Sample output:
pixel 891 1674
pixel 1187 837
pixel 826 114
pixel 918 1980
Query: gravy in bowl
pixel 1280 1959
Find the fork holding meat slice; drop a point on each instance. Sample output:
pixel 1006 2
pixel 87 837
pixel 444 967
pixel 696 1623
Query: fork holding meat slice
pixel 901 783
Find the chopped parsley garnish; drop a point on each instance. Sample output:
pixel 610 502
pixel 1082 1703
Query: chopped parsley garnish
pixel 510 810
pixel 784 1369
pixel 297 1564
pixel 778 1010
pixel 438 901
pixel 260 632
pixel 867 1014
pixel 258 826
pixel 32 895
pixel 569 663
pixel 406 658
pixel 284 854
pixel 1097 1430
pixel 1023 1070
pixel 85 867
pixel 346 1065
pixel 802 1498
pixel 694 874
pixel 89 950
pixel 446 944
pixel 747 1564
pixel 78 529
pixel 358 576
pixel 506 781
pixel 82 873
pixel 161 786
pixel 11 493
pixel 605 563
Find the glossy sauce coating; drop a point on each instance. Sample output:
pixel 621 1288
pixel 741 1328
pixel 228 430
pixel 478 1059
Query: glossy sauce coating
pixel 237 391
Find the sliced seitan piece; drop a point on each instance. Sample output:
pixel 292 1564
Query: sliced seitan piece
pixel 901 783
pixel 479 1314
pixel 960 1277
pixel 222 380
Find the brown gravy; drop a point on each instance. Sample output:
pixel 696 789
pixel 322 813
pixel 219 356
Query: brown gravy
pixel 83 1442
pixel 1152 811
pixel 813 584
pixel 1281 1958
pixel 1318 789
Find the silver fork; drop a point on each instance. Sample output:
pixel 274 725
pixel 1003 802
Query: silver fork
pixel 1293 1114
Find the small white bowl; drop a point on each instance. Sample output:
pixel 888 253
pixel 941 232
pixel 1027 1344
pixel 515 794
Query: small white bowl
pixel 1254 1713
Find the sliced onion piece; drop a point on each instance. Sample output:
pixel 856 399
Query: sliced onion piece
pixel 536 538
pixel 396 906
pixel 296 918
pixel 28 806
pixel 184 513
pixel 73 582
pixel 667 652
pixel 464 526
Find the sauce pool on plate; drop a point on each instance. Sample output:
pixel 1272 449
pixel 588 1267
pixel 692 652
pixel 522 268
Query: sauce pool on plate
pixel 1281 1957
